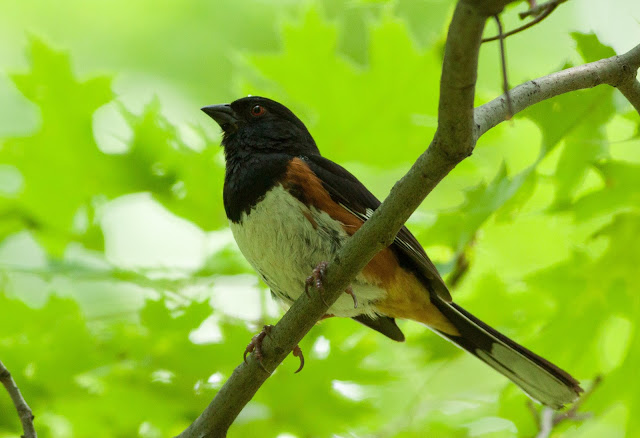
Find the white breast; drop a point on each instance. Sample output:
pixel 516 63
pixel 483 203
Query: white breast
pixel 284 247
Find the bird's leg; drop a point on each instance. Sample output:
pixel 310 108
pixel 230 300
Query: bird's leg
pixel 315 280
pixel 255 346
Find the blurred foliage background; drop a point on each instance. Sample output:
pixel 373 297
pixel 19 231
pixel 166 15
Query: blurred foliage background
pixel 124 303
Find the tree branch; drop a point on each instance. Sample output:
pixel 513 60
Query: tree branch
pixel 454 140
pixel 24 411
pixel 631 90
pixel 618 71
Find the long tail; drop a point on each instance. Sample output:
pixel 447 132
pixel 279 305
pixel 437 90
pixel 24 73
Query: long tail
pixel 538 377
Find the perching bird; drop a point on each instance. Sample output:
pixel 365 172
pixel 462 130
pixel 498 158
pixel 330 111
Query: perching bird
pixel 290 209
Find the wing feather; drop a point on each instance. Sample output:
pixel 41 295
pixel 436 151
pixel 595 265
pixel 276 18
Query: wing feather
pixel 348 191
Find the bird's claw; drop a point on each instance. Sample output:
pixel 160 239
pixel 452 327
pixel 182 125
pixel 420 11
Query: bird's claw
pixel 255 346
pixel 315 280
pixel 297 352
pixel 349 291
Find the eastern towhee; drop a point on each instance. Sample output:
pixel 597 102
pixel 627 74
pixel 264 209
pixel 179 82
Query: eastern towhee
pixel 290 209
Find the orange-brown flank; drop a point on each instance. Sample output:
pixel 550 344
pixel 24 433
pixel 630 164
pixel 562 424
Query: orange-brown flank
pixel 407 297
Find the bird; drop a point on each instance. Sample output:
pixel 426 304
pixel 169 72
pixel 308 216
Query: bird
pixel 290 210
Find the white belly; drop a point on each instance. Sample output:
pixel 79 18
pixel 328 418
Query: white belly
pixel 284 247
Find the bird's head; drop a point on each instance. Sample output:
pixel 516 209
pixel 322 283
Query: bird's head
pixel 258 124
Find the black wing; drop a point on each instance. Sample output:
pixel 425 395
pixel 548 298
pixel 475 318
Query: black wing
pixel 346 190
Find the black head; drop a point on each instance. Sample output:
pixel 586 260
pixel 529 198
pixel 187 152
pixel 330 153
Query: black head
pixel 258 124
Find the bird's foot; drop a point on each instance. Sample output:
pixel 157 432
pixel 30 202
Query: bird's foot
pixel 317 277
pixel 255 347
pixel 315 280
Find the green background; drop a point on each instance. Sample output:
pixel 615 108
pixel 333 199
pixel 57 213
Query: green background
pixel 124 303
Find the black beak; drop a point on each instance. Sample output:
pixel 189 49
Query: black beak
pixel 224 115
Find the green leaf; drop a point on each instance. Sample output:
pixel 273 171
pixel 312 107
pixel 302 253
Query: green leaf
pixel 590 47
pixel 62 152
pixel 578 118
pixel 391 121
pixel 64 172
pixel 457 227
pixel 621 191
pixel 182 179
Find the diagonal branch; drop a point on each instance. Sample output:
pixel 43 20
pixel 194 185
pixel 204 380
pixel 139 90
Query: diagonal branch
pixel 24 411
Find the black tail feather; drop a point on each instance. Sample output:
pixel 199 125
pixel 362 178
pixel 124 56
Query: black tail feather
pixel 538 377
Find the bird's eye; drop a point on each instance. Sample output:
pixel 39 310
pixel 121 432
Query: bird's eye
pixel 258 110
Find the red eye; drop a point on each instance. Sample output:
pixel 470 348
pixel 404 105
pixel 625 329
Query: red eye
pixel 258 111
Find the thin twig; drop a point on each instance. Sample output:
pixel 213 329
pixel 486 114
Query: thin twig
pixel 503 63
pixel 460 269
pixel 536 10
pixel 462 264
pixel 547 9
pixel 24 411
pixel 548 419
